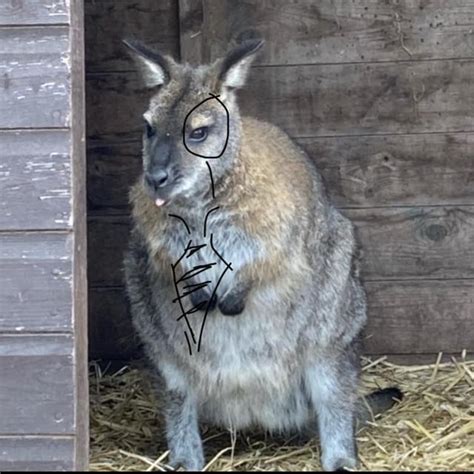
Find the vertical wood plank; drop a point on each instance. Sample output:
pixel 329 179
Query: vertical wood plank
pixel 81 456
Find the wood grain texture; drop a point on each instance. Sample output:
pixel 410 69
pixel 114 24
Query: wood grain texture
pixel 35 180
pixel 37 384
pixel 35 282
pixel 115 105
pixel 111 334
pixel 416 243
pixel 112 168
pixel 420 317
pixel 35 453
pixel 398 243
pixel 405 318
pixel 330 31
pixel 354 99
pixel 34 77
pixel 108 22
pixel 370 171
pixel 408 170
pixel 32 12
pixel 79 203
pixel 308 101
pixel 107 242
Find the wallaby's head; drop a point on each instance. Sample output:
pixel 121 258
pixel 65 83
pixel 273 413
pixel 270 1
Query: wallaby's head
pixel 192 118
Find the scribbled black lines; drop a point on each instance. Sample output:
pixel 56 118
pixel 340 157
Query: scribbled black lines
pixel 205 219
pixel 213 97
pixel 228 265
pixel 189 289
pixel 191 250
pixel 182 220
pixel 212 179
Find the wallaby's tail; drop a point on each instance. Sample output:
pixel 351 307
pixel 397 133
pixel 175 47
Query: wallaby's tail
pixel 377 402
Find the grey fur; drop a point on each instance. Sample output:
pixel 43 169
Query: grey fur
pixel 290 354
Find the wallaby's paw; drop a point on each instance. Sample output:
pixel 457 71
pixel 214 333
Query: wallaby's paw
pixel 200 300
pixel 191 460
pixel 232 305
pixel 338 462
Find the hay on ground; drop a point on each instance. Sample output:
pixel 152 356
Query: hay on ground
pixel 432 429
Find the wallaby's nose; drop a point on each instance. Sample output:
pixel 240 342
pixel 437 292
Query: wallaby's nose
pixel 157 179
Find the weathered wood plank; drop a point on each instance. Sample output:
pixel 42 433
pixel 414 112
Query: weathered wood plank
pixel 34 72
pixel 419 317
pixel 35 282
pixel 36 453
pixel 111 335
pixel 107 241
pixel 36 384
pixel 79 252
pixel 108 22
pixel 416 243
pixel 308 101
pixel 330 31
pixel 354 99
pixel 111 169
pixel 115 105
pixel 409 170
pixel 396 170
pixel 31 12
pixel 398 243
pixel 413 317
pixel 35 180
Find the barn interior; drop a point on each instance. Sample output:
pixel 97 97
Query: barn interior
pixel 381 97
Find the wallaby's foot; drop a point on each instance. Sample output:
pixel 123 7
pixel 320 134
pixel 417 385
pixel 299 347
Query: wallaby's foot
pixel 338 461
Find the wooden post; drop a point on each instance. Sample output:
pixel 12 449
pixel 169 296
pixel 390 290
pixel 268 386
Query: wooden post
pixel 43 285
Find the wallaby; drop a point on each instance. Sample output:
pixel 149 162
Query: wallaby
pixel 231 219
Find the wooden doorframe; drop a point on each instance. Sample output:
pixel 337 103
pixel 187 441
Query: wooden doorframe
pixel 79 212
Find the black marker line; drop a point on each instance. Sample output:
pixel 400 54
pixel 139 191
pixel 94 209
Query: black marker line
pixel 201 285
pixel 228 265
pixel 207 309
pixel 174 265
pixel 181 305
pixel 193 310
pixel 189 345
pixel 212 179
pixel 182 220
pixel 195 249
pixel 216 97
pixel 196 271
pixel 207 215
pixel 187 293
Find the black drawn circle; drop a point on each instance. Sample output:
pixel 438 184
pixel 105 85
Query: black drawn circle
pixel 227 132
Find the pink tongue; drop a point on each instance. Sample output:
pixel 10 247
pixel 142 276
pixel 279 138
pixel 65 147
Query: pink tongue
pixel 159 202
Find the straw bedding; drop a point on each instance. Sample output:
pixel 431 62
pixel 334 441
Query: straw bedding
pixel 432 429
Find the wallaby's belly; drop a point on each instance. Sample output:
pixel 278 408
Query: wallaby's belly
pixel 248 371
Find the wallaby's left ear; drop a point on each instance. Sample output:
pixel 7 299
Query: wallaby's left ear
pixel 236 64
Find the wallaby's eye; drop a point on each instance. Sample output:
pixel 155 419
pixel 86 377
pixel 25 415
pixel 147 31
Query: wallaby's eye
pixel 149 130
pixel 198 134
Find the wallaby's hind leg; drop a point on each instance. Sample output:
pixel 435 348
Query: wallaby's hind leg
pixel 332 387
pixel 182 432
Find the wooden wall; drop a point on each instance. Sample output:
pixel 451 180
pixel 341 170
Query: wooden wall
pixel 43 332
pixel 381 96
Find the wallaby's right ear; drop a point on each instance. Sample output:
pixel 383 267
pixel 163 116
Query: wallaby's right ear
pixel 154 67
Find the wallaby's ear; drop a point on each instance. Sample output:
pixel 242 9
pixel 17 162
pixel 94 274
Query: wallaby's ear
pixel 154 67
pixel 236 64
